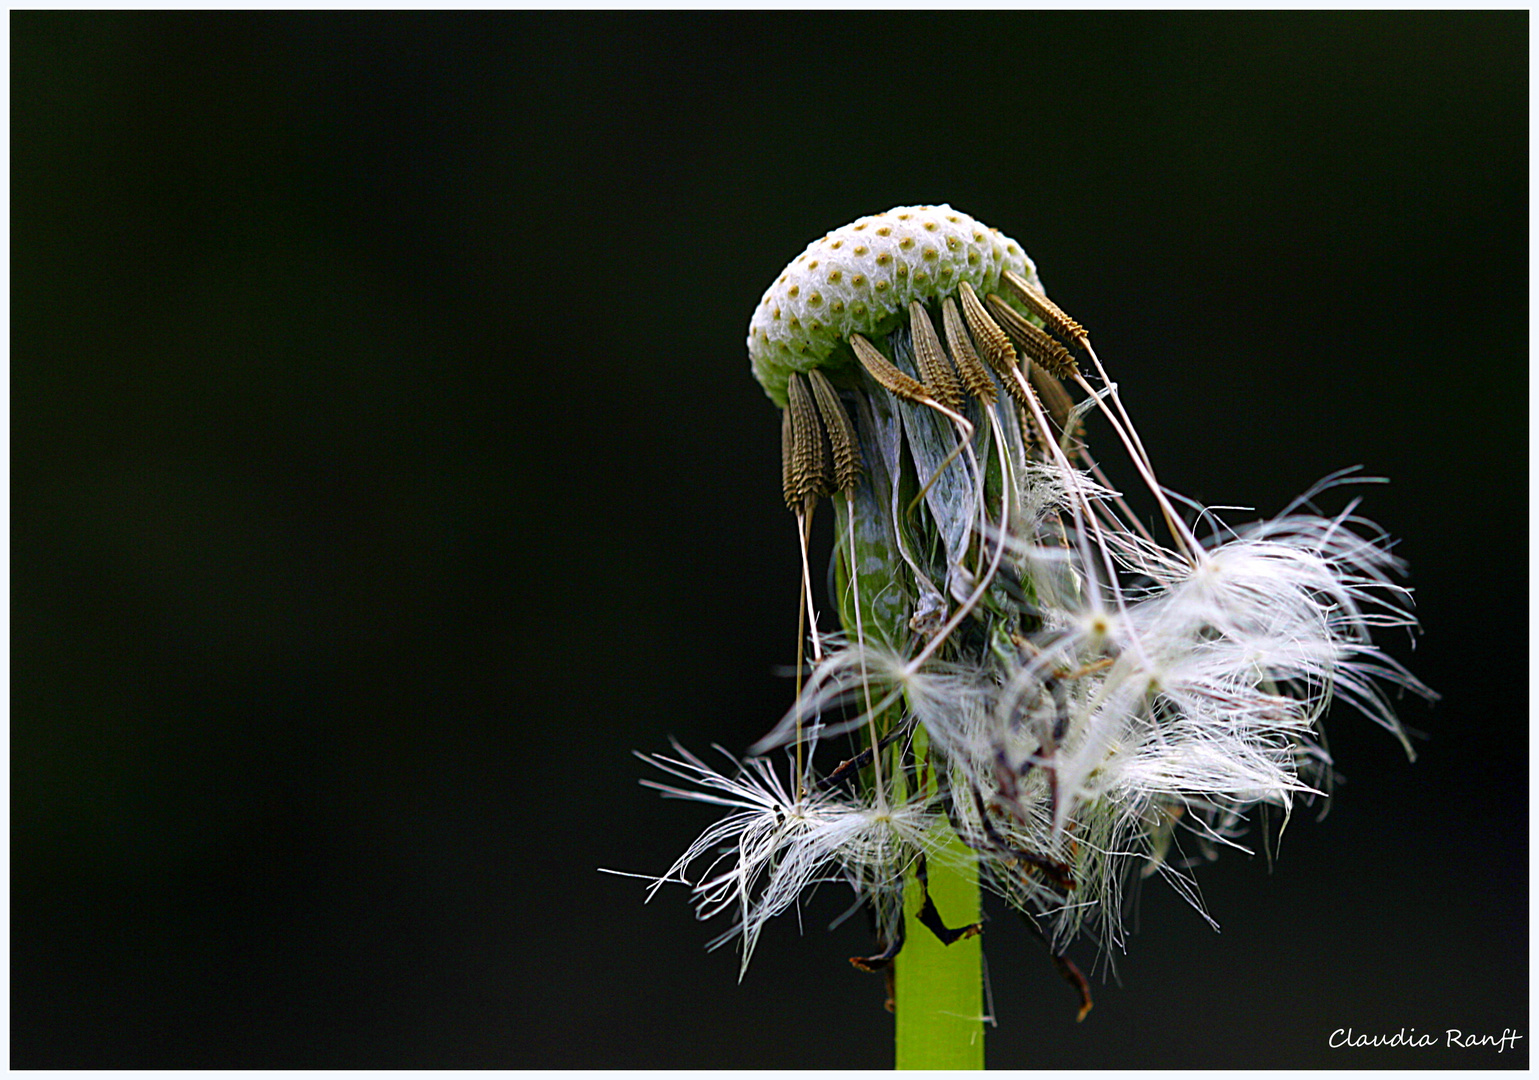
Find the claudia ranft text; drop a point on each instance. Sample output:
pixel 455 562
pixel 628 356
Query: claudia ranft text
pixel 1349 1039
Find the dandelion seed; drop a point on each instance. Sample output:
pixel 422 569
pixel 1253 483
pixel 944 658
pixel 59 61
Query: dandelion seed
pixel 1030 692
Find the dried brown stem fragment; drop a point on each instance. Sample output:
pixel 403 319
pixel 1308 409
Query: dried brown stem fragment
pixel 1075 978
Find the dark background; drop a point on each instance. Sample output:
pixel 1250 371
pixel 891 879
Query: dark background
pixel 386 467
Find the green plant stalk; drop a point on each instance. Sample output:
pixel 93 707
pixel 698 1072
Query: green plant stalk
pixel 939 988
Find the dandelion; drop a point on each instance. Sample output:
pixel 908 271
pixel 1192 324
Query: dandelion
pixel 1027 689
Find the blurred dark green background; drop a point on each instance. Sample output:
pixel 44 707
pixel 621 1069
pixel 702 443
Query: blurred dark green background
pixel 386 467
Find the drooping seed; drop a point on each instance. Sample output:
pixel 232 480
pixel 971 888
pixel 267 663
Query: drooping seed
pixel 841 431
pixel 975 377
pixel 882 370
pixel 1059 404
pixel 993 344
pixel 788 461
pixel 1057 320
pixel 1034 341
pixel 931 358
pixel 809 460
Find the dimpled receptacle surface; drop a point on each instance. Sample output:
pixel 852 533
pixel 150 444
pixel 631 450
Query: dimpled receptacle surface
pixel 859 279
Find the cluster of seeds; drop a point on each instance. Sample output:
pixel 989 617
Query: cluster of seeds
pixel 947 375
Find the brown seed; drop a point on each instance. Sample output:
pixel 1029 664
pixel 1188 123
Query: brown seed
pixel 933 365
pixel 1060 405
pixel 1032 434
pixel 809 457
pixel 974 375
pixel 882 370
pixel 841 431
pixel 788 459
pixel 993 344
pixel 1055 317
pixel 1034 341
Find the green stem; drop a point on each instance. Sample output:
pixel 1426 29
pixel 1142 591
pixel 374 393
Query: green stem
pixel 938 991
pixel 939 988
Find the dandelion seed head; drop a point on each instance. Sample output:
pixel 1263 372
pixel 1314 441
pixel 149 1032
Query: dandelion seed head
pixel 1024 666
pixel 860 279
